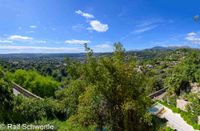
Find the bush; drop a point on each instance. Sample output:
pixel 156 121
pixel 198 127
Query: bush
pixel 36 83
pixel 30 110
pixel 6 100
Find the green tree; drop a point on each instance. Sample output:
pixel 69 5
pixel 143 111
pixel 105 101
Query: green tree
pixel 185 72
pixel 176 83
pixel 34 110
pixel 115 93
pixel 6 98
pixel 44 86
pixel 194 104
pixel 69 96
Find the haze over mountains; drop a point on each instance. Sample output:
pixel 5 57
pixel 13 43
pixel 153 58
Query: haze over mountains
pixel 74 54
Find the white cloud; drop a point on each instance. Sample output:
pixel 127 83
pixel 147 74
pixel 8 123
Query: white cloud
pixel 33 26
pixel 6 41
pixel 191 34
pixel 193 38
pixel 24 39
pixel 19 37
pixel 147 25
pixel 149 22
pixel 77 41
pixel 190 38
pixel 144 29
pixel 86 15
pixel 103 48
pixel 38 49
pixel 94 24
pixel 98 26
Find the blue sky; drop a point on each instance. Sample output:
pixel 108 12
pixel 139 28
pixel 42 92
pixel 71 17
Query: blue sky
pixel 62 26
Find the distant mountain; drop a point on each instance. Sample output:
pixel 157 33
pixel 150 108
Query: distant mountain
pixel 158 48
pixel 167 48
pixel 178 47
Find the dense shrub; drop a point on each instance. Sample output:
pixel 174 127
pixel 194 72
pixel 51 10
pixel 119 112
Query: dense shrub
pixel 6 99
pixel 30 110
pixel 34 82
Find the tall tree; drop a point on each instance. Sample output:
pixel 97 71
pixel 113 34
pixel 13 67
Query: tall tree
pixel 115 93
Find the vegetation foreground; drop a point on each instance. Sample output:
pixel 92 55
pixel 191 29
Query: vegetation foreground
pixel 106 92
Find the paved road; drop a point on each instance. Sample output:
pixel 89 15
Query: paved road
pixel 176 121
